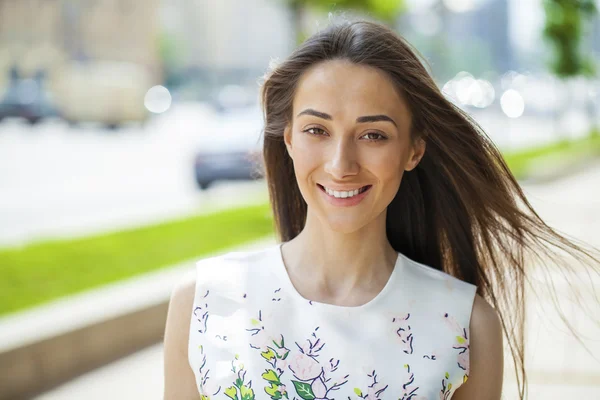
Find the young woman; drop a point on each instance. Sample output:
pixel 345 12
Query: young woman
pixel 403 245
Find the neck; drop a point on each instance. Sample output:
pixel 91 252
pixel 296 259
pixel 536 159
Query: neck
pixel 336 265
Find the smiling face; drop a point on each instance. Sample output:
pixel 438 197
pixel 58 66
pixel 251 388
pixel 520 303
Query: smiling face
pixel 350 129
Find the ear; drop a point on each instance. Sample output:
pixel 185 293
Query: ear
pixel 417 153
pixel 287 138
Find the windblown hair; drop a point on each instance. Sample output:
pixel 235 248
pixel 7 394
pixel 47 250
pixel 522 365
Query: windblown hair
pixel 460 210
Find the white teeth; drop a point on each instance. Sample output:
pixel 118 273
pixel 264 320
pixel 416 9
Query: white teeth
pixel 341 194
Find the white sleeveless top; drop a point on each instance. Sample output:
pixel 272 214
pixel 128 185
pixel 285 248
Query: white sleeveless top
pixel 253 336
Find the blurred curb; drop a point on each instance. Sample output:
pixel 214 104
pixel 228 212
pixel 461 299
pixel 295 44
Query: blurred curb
pixel 48 345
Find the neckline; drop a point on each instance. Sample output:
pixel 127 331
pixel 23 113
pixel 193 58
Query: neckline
pixel 282 272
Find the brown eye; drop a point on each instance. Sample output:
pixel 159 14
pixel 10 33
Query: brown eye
pixel 378 136
pixel 311 131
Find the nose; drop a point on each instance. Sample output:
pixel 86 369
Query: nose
pixel 342 161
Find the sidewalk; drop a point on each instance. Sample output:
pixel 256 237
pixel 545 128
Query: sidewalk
pixel 558 367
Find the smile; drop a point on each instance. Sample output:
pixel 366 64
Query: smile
pixel 345 198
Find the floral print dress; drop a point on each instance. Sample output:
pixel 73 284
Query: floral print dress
pixel 253 336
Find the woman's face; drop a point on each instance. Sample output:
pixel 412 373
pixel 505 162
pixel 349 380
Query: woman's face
pixel 350 129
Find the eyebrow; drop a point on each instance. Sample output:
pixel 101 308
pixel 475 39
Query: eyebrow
pixel 366 118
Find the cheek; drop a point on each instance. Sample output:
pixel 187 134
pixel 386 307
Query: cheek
pixel 387 167
pixel 306 158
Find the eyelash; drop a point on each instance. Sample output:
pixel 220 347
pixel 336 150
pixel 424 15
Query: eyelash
pixel 382 137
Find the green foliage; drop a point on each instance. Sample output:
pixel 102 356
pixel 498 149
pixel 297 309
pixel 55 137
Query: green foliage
pixel 564 30
pixel 384 10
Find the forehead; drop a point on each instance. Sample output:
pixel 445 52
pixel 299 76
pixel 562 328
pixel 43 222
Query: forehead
pixel 341 87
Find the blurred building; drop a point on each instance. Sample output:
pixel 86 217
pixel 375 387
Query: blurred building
pixel 460 35
pixel 227 41
pixel 46 34
pixel 98 57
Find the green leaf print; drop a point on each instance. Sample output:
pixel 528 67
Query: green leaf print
pixel 460 340
pixel 304 390
pixel 358 392
pixel 268 355
pixel 271 376
pixel 273 391
pixel 231 392
pixel 247 393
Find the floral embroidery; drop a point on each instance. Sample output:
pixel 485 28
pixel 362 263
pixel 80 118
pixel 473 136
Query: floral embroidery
pixel 275 353
pixel 404 332
pixel 462 344
pixel 409 392
pixel 446 388
pixel 375 389
pixel 313 378
pixel 205 386
pixel 201 313
pixel 306 370
pixel 240 390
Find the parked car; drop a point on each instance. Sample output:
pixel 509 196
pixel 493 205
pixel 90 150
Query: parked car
pixel 230 148
pixel 26 98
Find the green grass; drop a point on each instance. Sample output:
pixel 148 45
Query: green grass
pixel 523 162
pixel 43 271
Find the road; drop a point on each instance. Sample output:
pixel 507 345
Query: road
pixel 59 182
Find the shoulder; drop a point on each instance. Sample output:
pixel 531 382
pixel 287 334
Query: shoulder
pixel 485 329
pixel 232 259
pixel 485 353
pixel 179 380
pixel 484 319
pixel 228 269
pixel 180 311
pixel 436 279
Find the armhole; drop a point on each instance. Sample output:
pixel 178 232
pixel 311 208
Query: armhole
pixel 192 342
pixel 468 302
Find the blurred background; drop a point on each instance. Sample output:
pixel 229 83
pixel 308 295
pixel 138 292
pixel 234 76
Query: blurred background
pixel 130 143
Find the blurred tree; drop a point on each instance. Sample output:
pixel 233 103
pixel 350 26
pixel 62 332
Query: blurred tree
pixel 384 10
pixel 171 56
pixel 563 29
pixel 565 20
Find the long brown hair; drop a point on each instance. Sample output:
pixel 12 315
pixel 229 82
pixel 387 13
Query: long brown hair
pixel 460 210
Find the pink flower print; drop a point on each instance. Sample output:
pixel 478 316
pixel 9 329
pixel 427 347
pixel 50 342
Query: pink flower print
pixel 319 389
pixel 282 389
pixel 461 343
pixel 403 331
pixel 304 368
pixel 262 336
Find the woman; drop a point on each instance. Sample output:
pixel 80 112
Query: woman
pixel 403 244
